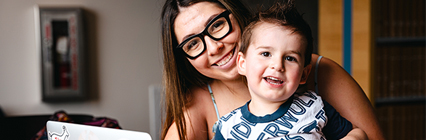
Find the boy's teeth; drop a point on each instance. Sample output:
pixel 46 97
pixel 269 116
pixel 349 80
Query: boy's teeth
pixel 225 60
pixel 273 80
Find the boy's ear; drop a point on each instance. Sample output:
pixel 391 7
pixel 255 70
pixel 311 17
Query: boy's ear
pixel 305 74
pixel 241 63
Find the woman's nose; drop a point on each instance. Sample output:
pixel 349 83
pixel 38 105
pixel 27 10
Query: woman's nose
pixel 213 47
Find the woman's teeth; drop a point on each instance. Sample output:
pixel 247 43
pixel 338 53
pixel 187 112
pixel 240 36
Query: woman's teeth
pixel 226 59
pixel 273 80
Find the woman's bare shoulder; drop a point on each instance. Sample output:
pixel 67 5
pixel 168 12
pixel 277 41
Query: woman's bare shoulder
pixel 200 96
pixel 325 63
pixel 199 111
pixel 329 68
pixel 332 78
pixel 326 70
pixel 200 105
pixel 195 116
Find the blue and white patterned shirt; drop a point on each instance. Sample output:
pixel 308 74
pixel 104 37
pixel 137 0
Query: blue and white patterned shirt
pixel 304 116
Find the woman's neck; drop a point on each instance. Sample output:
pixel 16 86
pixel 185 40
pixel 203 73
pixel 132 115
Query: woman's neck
pixel 236 86
pixel 230 94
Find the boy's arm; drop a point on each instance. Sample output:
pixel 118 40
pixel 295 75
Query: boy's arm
pixel 337 127
pixel 356 134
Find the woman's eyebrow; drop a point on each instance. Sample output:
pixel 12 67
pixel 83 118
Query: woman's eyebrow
pixel 187 36
pixel 210 19
pixel 205 25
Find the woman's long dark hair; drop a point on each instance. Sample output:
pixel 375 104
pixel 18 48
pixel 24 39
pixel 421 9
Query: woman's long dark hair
pixel 179 76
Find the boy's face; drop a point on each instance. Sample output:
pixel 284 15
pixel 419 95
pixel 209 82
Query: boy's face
pixel 274 62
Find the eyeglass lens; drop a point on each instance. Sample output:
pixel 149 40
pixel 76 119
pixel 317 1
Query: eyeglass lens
pixel 216 30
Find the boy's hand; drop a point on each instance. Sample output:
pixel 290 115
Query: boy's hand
pixel 356 134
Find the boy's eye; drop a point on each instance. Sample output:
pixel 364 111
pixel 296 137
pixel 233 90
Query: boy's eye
pixel 267 54
pixel 289 58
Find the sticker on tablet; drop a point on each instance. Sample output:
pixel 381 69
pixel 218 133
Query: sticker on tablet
pixel 56 136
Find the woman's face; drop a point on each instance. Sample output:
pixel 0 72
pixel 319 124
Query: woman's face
pixel 218 61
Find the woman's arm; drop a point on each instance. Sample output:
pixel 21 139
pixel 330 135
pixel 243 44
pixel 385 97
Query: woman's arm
pixel 339 89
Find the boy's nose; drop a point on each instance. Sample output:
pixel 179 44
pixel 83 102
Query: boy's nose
pixel 277 65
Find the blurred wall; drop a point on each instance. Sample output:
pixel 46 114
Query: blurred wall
pixel 124 58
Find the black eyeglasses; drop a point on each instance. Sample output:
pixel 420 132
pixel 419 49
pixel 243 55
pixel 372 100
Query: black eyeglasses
pixel 218 28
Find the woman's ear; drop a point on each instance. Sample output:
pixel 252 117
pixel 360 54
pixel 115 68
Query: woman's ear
pixel 241 63
pixel 305 74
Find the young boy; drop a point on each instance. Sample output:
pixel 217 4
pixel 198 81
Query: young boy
pixel 275 58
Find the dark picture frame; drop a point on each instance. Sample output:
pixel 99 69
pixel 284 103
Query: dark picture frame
pixel 62 52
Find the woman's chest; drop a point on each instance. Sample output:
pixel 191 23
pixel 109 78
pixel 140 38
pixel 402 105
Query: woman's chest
pixel 224 105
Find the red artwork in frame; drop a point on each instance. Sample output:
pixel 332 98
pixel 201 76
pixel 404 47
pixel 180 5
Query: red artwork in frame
pixel 62 54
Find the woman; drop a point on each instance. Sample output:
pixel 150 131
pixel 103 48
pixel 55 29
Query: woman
pixel 200 40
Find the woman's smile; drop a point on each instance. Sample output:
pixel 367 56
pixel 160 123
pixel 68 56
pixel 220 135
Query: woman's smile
pixel 224 60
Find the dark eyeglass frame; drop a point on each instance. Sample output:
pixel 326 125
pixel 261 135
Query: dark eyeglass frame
pixel 201 35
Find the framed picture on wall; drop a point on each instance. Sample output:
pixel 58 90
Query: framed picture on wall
pixel 62 51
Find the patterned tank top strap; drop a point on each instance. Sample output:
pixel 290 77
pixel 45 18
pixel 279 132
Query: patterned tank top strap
pixel 214 101
pixel 316 74
pixel 215 107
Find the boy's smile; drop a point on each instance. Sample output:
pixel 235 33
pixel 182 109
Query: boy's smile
pixel 273 80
